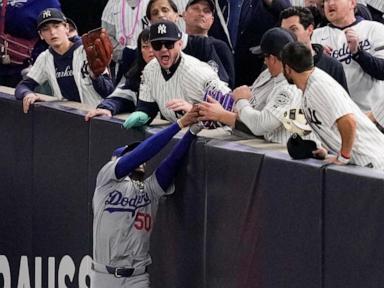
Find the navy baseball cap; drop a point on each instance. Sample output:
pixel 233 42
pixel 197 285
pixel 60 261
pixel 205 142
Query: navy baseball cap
pixel 298 148
pixel 211 4
pixel 125 149
pixel 273 41
pixel 50 15
pixel 164 30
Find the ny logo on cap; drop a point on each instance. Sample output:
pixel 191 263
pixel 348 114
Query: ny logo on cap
pixel 161 29
pixel 46 14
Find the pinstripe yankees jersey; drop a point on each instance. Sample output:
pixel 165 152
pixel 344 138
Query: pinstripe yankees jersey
pixel 124 214
pixel 189 82
pixel 378 112
pixel 364 89
pixel 125 19
pixel 44 70
pixel 263 114
pixel 124 23
pixel 324 102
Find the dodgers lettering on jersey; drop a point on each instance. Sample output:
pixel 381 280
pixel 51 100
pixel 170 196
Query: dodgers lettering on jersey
pixel 364 89
pixel 344 53
pixel 325 101
pixel 116 202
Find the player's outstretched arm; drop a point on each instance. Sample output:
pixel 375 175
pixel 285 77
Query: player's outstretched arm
pixel 151 146
pixel 168 168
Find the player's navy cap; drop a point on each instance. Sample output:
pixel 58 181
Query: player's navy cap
pixel 211 4
pixel 298 148
pixel 125 149
pixel 50 15
pixel 164 30
pixel 273 41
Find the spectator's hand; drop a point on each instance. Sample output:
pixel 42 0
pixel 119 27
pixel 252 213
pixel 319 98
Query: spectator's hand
pixel 97 112
pixel 210 110
pixel 136 119
pixel 370 116
pixel 179 105
pixel 352 40
pixel 327 50
pixel 242 92
pixel 29 99
pixel 320 153
pixel 190 117
pixel 333 160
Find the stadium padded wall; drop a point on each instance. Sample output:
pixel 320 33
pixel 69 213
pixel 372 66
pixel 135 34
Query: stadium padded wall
pixel 240 217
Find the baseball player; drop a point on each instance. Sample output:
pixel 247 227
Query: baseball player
pixel 63 65
pixel 125 206
pixel 358 45
pixel 342 127
pixel 173 82
pixel 300 21
pixel 263 108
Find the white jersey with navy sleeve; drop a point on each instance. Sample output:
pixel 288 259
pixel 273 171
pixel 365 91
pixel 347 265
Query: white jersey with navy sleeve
pixel 189 82
pixel 124 215
pixel 271 98
pixel 44 70
pixel 364 89
pixel 324 102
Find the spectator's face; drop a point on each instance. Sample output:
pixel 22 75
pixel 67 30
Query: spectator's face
pixel 72 31
pixel 54 33
pixel 199 17
pixel 161 10
pixel 337 10
pixel 293 24
pixel 168 53
pixel 146 51
pixel 287 73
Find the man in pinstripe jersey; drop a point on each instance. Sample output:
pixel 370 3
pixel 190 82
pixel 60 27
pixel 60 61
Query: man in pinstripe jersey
pixel 262 107
pixel 124 20
pixel 172 75
pixel 343 128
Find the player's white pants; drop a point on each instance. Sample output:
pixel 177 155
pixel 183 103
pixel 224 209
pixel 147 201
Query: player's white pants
pixel 104 280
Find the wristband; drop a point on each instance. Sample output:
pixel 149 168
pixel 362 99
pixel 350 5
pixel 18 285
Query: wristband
pixel 342 159
pixel 178 121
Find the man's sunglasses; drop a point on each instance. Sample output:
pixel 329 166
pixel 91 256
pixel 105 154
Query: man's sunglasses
pixel 157 45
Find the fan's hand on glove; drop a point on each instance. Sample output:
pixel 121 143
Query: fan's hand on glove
pixel 98 48
pixel 136 119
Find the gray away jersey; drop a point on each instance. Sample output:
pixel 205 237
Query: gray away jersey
pixel 123 218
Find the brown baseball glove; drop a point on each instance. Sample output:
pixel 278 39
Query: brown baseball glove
pixel 98 48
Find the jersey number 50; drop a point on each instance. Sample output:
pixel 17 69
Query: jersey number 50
pixel 143 221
